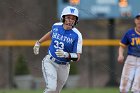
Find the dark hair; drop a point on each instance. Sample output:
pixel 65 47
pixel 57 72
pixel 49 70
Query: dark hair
pixel 137 16
pixel 76 21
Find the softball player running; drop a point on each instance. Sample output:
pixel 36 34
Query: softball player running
pixel 65 47
pixel 131 71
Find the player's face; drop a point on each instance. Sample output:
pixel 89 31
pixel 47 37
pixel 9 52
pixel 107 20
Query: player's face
pixel 69 21
pixel 137 22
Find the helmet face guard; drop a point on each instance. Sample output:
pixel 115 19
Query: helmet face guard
pixel 69 10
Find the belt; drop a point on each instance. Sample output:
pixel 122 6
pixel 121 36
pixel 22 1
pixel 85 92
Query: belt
pixel 57 61
pixel 133 55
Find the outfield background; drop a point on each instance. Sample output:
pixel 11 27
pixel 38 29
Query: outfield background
pixel 22 22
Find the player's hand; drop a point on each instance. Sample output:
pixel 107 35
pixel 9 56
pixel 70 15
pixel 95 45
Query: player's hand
pixel 61 53
pixel 36 48
pixel 120 59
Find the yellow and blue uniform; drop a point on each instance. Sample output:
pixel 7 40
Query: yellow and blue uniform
pixel 130 75
pixel 132 39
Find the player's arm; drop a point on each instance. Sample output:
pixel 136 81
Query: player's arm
pixel 73 56
pixel 77 48
pixel 45 37
pixel 70 56
pixel 78 56
pixel 38 42
pixel 123 44
pixel 120 54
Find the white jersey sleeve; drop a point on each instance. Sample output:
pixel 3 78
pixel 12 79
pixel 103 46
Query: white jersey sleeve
pixel 80 40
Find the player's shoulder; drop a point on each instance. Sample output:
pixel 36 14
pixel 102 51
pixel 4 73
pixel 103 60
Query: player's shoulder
pixel 57 24
pixel 77 32
pixel 130 31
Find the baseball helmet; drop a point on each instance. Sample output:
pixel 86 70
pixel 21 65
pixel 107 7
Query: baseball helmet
pixel 70 10
pixel 138 15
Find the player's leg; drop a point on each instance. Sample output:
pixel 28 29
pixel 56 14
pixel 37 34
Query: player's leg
pixel 126 78
pixel 50 75
pixel 127 75
pixel 63 73
pixel 136 83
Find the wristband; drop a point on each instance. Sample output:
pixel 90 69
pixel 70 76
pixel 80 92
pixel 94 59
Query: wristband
pixel 73 56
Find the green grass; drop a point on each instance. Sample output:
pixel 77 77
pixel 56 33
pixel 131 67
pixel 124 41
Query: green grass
pixel 94 90
pixel 80 90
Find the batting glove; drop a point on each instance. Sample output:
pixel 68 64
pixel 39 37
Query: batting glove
pixel 61 53
pixel 36 48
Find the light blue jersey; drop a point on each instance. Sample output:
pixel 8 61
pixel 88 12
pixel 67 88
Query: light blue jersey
pixel 67 40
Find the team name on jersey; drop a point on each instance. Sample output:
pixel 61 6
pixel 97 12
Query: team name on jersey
pixel 62 38
pixel 136 41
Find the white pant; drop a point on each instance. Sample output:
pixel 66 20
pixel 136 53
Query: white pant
pixel 55 75
pixel 131 75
